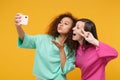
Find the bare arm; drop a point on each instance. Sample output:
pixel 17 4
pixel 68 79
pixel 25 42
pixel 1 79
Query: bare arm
pixel 62 53
pixel 62 57
pixel 20 31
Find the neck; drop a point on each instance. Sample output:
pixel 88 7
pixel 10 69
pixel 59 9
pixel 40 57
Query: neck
pixel 80 42
pixel 62 38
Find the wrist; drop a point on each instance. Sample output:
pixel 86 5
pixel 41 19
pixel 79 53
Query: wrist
pixel 61 49
pixel 96 42
pixel 18 25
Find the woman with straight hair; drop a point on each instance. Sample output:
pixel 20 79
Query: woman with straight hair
pixel 92 55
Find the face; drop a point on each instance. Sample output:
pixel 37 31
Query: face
pixel 65 25
pixel 77 29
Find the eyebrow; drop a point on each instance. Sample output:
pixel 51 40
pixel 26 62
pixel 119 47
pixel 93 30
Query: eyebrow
pixel 65 21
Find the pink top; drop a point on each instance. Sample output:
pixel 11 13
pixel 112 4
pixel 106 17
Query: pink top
pixel 93 60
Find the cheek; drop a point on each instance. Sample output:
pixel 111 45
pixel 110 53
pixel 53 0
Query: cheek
pixel 69 27
pixel 78 36
pixel 58 25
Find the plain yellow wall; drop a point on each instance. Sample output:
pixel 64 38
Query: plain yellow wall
pixel 17 64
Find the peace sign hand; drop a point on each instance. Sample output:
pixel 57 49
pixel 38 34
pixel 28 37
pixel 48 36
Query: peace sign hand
pixel 89 37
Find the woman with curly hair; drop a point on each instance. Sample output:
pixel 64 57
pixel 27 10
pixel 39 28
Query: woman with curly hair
pixel 55 51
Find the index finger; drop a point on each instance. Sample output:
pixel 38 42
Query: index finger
pixel 83 31
pixel 18 14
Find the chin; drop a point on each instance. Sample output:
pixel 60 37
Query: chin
pixel 74 39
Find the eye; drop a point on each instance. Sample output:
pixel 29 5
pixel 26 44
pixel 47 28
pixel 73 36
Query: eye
pixel 59 22
pixel 66 23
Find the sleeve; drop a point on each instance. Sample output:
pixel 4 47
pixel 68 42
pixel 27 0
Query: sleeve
pixel 69 65
pixel 106 51
pixel 27 42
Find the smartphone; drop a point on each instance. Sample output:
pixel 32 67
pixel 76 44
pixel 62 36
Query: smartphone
pixel 24 20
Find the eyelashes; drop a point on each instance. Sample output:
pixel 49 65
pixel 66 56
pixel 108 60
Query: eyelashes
pixel 63 23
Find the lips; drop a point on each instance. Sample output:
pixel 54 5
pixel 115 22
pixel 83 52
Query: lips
pixel 74 34
pixel 59 28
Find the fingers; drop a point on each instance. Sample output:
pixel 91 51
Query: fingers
pixel 56 43
pixel 87 35
pixel 60 46
pixel 18 16
pixel 18 19
pixel 84 33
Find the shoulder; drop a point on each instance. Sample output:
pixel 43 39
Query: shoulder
pixel 44 37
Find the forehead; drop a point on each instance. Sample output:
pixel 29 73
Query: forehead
pixel 67 19
pixel 80 23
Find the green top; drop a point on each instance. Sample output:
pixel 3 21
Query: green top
pixel 47 64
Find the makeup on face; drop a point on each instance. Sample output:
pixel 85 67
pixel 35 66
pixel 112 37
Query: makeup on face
pixel 77 29
pixel 65 25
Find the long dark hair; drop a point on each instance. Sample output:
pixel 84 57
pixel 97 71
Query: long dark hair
pixel 90 27
pixel 53 30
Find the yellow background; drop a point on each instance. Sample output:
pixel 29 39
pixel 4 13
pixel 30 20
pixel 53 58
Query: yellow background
pixel 17 64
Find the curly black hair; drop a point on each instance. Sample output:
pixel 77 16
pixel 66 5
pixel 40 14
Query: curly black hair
pixel 72 45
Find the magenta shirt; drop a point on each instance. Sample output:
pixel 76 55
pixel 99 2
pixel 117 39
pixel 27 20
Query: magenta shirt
pixel 93 60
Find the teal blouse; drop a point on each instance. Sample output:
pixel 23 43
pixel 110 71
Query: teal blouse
pixel 47 64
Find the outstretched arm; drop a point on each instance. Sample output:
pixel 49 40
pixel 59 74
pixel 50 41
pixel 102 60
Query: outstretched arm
pixel 20 31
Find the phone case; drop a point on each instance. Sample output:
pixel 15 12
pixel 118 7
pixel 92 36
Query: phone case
pixel 24 20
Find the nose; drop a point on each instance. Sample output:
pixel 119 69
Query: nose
pixel 60 24
pixel 73 28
